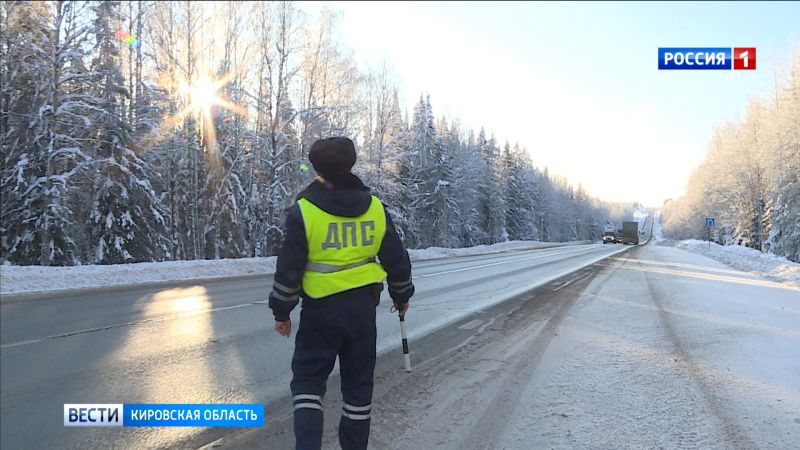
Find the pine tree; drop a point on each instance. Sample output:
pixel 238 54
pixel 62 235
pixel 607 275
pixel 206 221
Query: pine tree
pixel 530 194
pixel 491 208
pixel 519 190
pixel 127 218
pixel 43 137
pixel 434 205
pixel 445 206
pixel 467 167
pixel 516 212
pixel 420 187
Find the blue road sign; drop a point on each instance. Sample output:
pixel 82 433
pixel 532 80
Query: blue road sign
pixel 709 222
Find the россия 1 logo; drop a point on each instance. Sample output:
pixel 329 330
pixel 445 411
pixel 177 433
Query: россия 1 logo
pixel 706 58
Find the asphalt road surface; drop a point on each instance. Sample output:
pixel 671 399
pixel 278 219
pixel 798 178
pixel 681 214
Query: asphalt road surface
pixel 652 348
pixel 214 343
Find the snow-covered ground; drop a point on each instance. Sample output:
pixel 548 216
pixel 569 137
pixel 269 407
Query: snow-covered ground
pixel 669 350
pixel 25 279
pixel 662 349
pixel 770 266
pixel 28 279
pixel 773 267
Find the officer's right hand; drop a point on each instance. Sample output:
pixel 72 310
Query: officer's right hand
pixel 284 328
pixel 401 309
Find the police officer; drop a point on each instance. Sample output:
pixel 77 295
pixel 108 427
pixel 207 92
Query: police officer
pixel 333 234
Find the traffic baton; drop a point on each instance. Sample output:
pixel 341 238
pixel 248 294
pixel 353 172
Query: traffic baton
pixel 406 357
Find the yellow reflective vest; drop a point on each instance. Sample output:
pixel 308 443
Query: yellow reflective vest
pixel 342 250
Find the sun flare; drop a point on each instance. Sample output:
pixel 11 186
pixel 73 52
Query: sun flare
pixel 202 94
pixel 202 99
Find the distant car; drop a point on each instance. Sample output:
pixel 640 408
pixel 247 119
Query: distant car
pixel 609 237
pixel 618 237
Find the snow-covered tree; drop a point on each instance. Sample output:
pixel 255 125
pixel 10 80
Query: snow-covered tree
pixel 491 205
pixel 277 28
pixel 749 178
pixel 468 170
pixel 520 190
pixel 126 217
pixel 106 157
pixel 45 129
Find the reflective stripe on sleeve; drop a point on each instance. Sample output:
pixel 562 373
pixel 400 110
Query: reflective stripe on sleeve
pixel 400 291
pixel 399 284
pixel 285 289
pixel 284 298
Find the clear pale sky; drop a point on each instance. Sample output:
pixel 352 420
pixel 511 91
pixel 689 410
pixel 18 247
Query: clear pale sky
pixel 577 83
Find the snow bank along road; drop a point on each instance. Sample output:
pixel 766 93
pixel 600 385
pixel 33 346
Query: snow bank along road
pixel 19 283
pixel 212 342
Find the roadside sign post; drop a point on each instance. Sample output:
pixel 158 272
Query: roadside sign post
pixel 710 222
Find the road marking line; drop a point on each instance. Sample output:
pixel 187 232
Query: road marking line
pixel 471 324
pixel 15 344
pixel 567 283
pixel 128 324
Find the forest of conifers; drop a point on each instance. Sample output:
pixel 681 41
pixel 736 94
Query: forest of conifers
pixel 107 159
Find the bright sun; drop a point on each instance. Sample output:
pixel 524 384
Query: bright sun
pixel 203 94
pixel 200 98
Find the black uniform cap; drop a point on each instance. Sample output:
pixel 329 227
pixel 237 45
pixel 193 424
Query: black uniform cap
pixel 333 157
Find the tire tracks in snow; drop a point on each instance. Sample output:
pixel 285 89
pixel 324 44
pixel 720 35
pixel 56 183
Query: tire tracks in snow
pixel 465 400
pixel 496 415
pixel 731 429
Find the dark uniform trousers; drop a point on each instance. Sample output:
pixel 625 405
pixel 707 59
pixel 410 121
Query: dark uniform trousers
pixel 342 325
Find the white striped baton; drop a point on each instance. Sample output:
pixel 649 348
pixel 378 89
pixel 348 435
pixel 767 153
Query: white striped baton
pixel 406 357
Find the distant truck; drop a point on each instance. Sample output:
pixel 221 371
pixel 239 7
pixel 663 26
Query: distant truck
pixel 630 233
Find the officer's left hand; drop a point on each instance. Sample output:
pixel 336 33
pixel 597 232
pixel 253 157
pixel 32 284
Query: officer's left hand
pixel 284 328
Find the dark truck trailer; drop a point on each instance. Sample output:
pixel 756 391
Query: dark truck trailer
pixel 630 233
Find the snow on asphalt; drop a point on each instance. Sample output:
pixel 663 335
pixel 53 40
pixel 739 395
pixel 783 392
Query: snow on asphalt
pixel 668 350
pixel 26 279
pixel 662 349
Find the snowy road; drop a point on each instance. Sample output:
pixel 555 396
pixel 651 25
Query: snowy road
pixel 654 348
pixel 658 349
pixel 212 342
